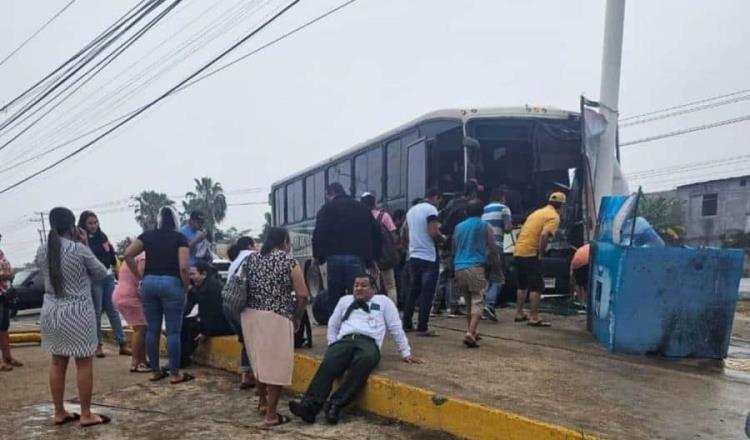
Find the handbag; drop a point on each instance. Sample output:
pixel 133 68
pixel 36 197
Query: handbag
pixel 235 291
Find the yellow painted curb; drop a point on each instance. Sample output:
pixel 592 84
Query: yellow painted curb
pixel 25 338
pixel 417 406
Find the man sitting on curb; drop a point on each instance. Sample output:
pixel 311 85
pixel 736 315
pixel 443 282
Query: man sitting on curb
pixel 356 331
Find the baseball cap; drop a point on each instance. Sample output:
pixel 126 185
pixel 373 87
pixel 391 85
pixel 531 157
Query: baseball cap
pixel 557 197
pixel 366 194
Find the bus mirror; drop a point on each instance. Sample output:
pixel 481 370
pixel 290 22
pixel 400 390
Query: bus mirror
pixel 470 142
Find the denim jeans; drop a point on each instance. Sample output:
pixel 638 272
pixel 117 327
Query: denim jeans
pixel 493 289
pixel 101 293
pixel 162 296
pixel 423 275
pixel 342 269
pixel 234 322
pixel 444 294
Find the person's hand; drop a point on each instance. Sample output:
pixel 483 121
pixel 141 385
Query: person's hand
pixel 200 337
pixel 412 360
pixel 201 234
pixel 297 324
pixel 82 236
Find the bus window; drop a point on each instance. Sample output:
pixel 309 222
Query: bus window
pixel 341 173
pixel 278 207
pixel 314 193
pixel 368 173
pixel 417 175
pixel 294 205
pixel 395 151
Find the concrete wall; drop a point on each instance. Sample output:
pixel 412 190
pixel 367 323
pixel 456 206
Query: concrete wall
pixel 733 213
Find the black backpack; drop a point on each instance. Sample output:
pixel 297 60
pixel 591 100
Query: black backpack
pixel 320 310
pixel 389 256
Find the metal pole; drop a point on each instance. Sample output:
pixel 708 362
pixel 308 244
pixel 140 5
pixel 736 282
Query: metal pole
pixel 44 229
pixel 609 97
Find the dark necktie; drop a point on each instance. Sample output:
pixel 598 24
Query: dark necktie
pixel 354 306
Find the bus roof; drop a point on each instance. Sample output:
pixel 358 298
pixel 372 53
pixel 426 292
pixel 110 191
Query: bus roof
pixel 464 114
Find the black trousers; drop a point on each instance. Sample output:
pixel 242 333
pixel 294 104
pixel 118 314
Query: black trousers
pixel 354 354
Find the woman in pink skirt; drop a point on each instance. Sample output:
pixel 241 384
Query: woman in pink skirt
pixel 128 302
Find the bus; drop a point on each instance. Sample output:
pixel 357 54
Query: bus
pixel 529 151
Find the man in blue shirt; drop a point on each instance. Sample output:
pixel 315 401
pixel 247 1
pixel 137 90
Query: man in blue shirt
pixel 197 237
pixel 498 215
pixel 473 248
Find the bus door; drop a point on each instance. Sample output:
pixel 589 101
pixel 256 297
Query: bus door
pixel 416 170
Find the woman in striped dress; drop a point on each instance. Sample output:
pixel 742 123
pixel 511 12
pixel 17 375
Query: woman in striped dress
pixel 68 318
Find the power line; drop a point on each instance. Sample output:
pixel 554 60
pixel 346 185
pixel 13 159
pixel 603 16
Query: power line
pixel 155 101
pixel 37 32
pixel 687 104
pixel 686 111
pixel 128 116
pixel 686 131
pixel 104 34
pixel 688 167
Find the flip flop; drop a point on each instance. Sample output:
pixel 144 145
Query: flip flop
pixel 162 375
pixel 104 420
pixel 280 420
pixel 72 417
pixel 246 386
pixel 539 324
pixel 141 368
pixel 470 342
pixel 186 377
pixel 15 363
pixel 525 318
pixel 6 367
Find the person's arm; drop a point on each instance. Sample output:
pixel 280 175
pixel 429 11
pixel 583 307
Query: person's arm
pixel 135 248
pixel 300 293
pixel 320 234
pixel 334 322
pixel 199 237
pixel 376 237
pixel 550 226
pixel 405 237
pixel 433 226
pixel 393 324
pixel 95 268
pixel 493 256
pixel 183 258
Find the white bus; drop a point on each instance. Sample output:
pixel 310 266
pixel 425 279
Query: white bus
pixel 529 151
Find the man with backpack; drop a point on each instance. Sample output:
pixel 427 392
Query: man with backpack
pixel 389 254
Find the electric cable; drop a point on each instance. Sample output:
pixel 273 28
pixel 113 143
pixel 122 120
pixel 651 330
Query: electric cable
pixel 687 104
pixel 686 131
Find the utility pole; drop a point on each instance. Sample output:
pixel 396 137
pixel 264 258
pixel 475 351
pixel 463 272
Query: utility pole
pixel 609 97
pixel 43 231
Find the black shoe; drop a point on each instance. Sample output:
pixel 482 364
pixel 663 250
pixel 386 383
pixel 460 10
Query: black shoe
pixel 333 413
pixel 303 412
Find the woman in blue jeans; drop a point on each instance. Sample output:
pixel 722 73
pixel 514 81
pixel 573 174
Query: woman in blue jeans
pixel 163 288
pixel 101 291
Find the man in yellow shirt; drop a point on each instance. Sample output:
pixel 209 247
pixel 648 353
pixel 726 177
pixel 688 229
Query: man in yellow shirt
pixel 527 257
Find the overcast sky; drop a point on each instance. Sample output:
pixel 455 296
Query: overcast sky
pixel 370 67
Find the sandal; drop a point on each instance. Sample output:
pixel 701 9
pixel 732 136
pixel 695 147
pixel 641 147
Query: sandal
pixel 186 377
pixel 72 417
pixel 103 420
pixel 470 342
pixel 262 410
pixel 162 374
pixel 539 323
pixel 6 367
pixel 140 368
pixel 280 420
pixel 247 385
pixel 14 363
pixel 525 318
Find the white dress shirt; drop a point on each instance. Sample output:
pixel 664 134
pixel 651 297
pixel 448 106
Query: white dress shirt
pixel 373 324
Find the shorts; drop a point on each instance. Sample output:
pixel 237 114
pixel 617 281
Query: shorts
pixel 4 314
pixel 529 273
pixel 471 284
pixel 581 276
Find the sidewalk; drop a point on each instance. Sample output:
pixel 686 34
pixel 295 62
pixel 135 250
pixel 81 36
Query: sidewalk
pixel 559 376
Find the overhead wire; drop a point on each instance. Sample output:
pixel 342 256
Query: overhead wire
pixel 686 131
pixel 186 85
pixel 104 34
pixel 41 96
pixel 88 76
pixel 155 101
pixel 687 104
pixel 219 26
pixel 686 111
pixel 37 32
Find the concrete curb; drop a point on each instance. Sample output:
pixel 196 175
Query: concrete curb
pixel 417 406
pixel 25 338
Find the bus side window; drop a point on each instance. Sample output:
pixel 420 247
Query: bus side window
pixel 314 193
pixel 341 173
pixel 368 173
pixel 279 207
pixel 396 161
pixel 294 205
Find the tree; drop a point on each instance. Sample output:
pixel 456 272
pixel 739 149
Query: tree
pixel 147 207
pixel 665 215
pixel 209 198
pixel 230 235
pixel 122 245
pixel 266 227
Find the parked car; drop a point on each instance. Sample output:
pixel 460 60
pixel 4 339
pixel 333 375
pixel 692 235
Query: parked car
pixel 26 291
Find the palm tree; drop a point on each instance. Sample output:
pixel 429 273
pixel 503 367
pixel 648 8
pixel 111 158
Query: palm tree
pixel 148 204
pixel 209 198
pixel 664 213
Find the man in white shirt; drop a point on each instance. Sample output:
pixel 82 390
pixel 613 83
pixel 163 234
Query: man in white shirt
pixel 356 330
pixel 421 230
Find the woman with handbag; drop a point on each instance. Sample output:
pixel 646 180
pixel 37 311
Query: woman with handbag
pixel 271 317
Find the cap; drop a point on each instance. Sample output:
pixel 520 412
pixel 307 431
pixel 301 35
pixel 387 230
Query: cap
pixel 365 194
pixel 557 197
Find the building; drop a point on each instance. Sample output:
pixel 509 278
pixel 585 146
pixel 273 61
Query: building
pixel 714 208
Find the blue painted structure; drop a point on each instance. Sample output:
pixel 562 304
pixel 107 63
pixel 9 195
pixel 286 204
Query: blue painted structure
pixel 675 302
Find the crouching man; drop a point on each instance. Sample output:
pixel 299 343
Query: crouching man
pixel 356 331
